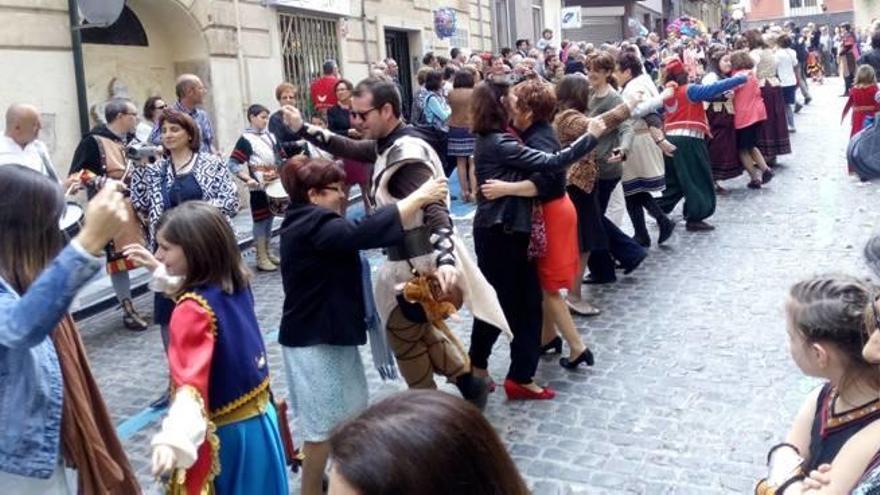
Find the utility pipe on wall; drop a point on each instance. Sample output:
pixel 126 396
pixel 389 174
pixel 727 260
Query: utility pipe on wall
pixel 243 80
pixel 79 72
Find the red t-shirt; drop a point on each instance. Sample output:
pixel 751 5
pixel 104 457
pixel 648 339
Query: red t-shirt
pixel 324 92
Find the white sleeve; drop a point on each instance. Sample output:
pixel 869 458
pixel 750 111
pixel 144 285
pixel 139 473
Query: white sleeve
pixel 184 428
pixel 164 282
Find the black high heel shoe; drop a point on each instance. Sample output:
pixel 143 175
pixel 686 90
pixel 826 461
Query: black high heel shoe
pixel 585 357
pixel 554 345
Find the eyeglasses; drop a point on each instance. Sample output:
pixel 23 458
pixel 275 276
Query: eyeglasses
pixel 338 189
pixel 363 115
pixel 160 107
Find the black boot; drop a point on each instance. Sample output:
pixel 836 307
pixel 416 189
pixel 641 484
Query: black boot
pixel 666 225
pixel 473 389
pixel 634 206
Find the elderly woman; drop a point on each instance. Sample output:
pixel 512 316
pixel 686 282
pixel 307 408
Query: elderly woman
pixel 288 144
pixel 502 234
pixel 54 418
pixel 184 174
pixel 323 320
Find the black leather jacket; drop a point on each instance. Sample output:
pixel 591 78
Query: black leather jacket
pixel 498 155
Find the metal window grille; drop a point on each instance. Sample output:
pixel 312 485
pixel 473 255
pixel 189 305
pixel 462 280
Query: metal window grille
pixel 307 42
pixel 461 39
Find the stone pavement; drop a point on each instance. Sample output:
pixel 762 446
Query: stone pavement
pixel 693 381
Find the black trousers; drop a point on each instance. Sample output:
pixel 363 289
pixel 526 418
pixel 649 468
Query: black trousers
pixel 503 258
pixel 636 205
pixel 620 246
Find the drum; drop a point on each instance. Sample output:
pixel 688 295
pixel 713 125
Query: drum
pixel 71 220
pixel 278 198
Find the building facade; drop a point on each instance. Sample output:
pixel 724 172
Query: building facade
pixel 760 12
pixel 240 48
pixel 865 12
pixel 612 20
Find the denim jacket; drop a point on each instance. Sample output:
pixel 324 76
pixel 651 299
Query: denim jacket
pixel 31 386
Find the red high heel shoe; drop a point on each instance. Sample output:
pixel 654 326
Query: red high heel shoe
pixel 516 391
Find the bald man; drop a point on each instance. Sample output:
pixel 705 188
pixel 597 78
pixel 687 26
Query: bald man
pixel 190 98
pixel 19 144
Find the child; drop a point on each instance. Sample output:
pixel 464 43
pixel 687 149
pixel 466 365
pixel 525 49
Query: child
pixel 221 428
pixel 826 324
pixel 254 162
pixel 814 67
pixel 749 114
pixel 862 98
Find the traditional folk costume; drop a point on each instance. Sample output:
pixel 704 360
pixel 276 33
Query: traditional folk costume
pixel 222 424
pixel 255 150
pixel 404 161
pixel 99 156
pixel 773 137
pixel 688 171
pixel 722 143
pixel 863 103
pixel 644 170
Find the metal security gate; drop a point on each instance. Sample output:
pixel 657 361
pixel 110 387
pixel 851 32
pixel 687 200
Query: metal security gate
pixel 397 47
pixel 307 42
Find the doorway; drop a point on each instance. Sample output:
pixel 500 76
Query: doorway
pixel 397 47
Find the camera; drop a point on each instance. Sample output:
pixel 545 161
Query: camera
pixel 141 151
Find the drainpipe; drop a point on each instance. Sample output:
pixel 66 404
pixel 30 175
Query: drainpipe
pixel 78 67
pixel 243 82
pixel 366 43
pixel 480 20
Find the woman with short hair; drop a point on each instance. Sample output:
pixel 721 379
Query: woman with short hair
pixel 324 314
pixel 502 234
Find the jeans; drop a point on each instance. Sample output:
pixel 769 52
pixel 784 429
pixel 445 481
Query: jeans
pixel 620 246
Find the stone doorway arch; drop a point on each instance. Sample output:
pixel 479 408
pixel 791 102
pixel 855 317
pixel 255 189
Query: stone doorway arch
pixel 176 43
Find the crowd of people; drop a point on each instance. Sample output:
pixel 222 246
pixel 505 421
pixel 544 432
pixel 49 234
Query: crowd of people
pixel 546 140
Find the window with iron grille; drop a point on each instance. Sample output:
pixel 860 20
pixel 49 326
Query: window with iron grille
pixel 460 39
pixel 307 41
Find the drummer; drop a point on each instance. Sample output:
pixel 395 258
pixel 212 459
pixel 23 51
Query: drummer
pixel 101 155
pixel 255 162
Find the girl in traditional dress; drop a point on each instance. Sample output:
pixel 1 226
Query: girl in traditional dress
pixel 773 137
pixel 722 145
pixel 221 432
pixel 688 172
pixel 749 117
pixel 826 324
pixel 862 99
pixel 254 162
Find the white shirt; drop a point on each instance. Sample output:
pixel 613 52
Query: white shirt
pixel 34 156
pixel 786 60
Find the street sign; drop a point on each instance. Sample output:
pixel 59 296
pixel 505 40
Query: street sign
pixel 571 18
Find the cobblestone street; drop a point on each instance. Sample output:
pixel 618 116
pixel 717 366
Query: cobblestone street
pixel 693 381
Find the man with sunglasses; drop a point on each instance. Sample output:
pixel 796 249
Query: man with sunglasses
pixel 100 155
pixel 403 162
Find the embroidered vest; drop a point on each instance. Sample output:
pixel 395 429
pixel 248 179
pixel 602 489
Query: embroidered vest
pixel 239 366
pixel 682 113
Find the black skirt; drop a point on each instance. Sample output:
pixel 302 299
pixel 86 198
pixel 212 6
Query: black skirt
pixel 591 233
pixel 747 137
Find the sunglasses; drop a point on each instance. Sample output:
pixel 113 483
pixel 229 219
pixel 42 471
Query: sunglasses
pixel 363 115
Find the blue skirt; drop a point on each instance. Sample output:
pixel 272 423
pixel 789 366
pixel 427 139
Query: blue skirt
pixel 252 457
pixel 461 142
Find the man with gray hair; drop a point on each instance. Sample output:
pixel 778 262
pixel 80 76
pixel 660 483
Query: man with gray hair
pixel 190 98
pixel 19 144
pixel 323 90
pixel 100 156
